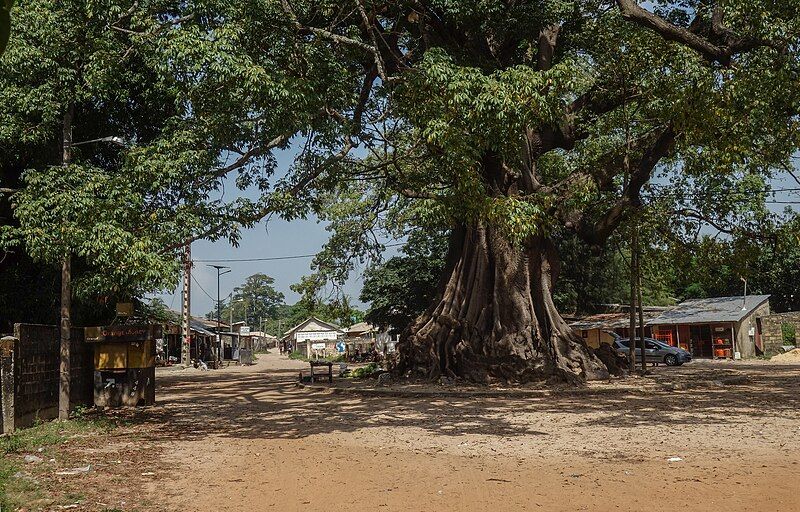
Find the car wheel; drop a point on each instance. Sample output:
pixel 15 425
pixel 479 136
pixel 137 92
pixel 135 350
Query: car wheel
pixel 671 360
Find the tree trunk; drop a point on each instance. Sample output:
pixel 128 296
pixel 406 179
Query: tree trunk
pixel 494 319
pixel 66 294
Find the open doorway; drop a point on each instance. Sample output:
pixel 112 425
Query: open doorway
pixel 700 341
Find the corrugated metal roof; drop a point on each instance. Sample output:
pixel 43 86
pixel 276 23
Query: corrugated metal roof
pixel 331 326
pixel 199 327
pixel 361 327
pixel 610 320
pixel 711 310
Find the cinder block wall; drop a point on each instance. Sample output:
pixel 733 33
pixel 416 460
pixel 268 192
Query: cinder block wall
pixel 771 332
pixel 36 372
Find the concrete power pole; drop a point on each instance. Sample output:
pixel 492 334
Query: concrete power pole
pixel 186 332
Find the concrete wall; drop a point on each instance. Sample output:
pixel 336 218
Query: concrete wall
pixel 771 333
pixel 33 374
pixel 744 343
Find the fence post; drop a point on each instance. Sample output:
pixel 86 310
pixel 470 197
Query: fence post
pixel 7 391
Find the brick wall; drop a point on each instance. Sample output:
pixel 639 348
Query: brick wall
pixel 36 372
pixel 771 332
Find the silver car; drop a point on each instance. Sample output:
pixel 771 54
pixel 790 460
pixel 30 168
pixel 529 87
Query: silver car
pixel 654 351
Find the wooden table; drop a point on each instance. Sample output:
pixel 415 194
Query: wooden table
pixel 321 364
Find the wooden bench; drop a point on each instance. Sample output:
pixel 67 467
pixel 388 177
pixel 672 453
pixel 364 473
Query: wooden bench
pixel 321 364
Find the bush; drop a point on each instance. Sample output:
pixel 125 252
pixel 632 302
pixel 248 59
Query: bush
pixel 298 355
pixel 364 371
pixel 789 333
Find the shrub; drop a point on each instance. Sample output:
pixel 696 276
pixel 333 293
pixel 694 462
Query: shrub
pixel 789 333
pixel 364 371
pixel 298 355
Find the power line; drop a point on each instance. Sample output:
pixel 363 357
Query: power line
pixel 203 289
pixel 275 258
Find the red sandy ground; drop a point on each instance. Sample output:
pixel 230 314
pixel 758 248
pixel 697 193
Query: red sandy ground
pixel 249 439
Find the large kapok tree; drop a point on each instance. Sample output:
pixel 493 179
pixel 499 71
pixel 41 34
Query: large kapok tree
pixel 508 122
pixel 511 121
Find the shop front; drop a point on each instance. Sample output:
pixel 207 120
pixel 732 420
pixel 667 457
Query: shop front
pixel 716 327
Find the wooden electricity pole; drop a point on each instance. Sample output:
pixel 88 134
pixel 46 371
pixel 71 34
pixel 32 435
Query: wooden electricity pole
pixel 66 292
pixel 639 297
pixel 186 331
pixel 632 309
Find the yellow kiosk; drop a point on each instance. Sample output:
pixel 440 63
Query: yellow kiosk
pixel 124 364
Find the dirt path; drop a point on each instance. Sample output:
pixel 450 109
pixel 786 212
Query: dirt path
pixel 249 439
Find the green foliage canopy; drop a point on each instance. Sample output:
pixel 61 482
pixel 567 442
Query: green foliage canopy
pixel 532 117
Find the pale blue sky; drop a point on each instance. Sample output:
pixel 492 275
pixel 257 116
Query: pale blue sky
pixel 275 238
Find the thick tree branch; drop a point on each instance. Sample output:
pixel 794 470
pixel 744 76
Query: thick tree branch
pixel 547 46
pixel 338 38
pixel 597 232
pixel 567 133
pixel 731 44
pixel 252 153
pixel 697 215
pixel 368 27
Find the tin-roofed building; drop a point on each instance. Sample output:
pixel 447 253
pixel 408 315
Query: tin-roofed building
pixel 604 327
pixel 313 336
pixel 716 327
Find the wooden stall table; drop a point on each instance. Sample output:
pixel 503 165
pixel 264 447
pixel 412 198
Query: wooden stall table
pixel 321 364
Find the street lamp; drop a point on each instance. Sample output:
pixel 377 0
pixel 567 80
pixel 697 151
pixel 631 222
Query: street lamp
pixel 744 302
pixel 119 141
pixel 219 321
pixel 245 308
pixel 66 276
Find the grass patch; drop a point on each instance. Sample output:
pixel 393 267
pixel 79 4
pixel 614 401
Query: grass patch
pixel 17 487
pixel 52 433
pixel 299 356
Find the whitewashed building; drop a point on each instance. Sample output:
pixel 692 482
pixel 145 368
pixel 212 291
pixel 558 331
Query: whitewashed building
pixel 314 337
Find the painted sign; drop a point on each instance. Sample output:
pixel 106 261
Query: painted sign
pixel 122 333
pixel 340 347
pixel 317 346
pixel 316 335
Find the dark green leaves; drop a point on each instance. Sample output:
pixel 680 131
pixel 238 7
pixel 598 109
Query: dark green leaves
pixel 5 23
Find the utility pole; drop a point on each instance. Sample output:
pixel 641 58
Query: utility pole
pixel 219 322
pixel 65 326
pixel 632 331
pixel 186 331
pixel 639 297
pixel 66 291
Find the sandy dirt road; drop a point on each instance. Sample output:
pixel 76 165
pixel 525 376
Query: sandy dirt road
pixel 249 439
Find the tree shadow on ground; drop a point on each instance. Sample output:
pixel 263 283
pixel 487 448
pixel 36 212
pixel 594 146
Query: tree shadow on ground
pixel 270 405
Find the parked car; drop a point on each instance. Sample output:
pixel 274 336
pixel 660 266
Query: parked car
pixel 655 351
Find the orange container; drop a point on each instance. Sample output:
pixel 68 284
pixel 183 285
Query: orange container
pixel 720 352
